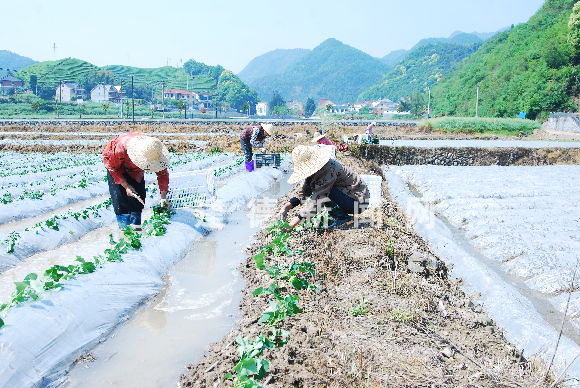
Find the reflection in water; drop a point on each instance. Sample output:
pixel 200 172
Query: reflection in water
pixel 199 306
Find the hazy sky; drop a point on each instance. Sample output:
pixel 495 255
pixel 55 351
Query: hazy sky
pixel 153 33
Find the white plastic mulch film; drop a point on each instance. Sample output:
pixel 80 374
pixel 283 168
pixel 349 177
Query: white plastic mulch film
pixel 373 183
pixel 191 188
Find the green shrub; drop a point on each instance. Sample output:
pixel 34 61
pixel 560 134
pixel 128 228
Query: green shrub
pixel 479 124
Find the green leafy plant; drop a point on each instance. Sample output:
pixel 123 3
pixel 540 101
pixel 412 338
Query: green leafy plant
pixel 360 308
pixel 32 286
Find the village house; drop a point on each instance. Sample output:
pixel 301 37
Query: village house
pixel 181 95
pixel 346 108
pixel 102 93
pixel 296 106
pixel 262 108
pixel 384 107
pixel 68 91
pixel 11 82
pixel 323 103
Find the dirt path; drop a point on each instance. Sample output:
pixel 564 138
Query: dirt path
pixel 386 315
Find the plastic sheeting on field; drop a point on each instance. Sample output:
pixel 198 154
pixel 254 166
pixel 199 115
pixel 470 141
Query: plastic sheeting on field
pixel 454 192
pixel 41 339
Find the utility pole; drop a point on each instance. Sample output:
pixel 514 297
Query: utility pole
pixel 163 98
pixel 121 92
pixel 477 102
pixel 133 98
pixel 429 100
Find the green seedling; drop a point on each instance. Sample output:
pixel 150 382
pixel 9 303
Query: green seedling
pixel 33 286
pixel 360 309
pixel 10 242
pixel 280 309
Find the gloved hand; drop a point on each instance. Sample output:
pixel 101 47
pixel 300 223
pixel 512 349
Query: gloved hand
pixel 164 203
pixel 263 150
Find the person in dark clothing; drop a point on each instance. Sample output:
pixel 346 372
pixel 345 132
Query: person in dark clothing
pixel 254 136
pixel 323 179
pixel 126 158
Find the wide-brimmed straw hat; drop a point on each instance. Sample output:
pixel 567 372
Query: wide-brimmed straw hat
pixel 268 128
pixel 317 137
pixel 307 161
pixel 148 153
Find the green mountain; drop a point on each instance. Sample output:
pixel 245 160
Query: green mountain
pixel 332 70
pixel 457 38
pixel 273 62
pixel 142 83
pixel 424 64
pixel 12 61
pixel 50 73
pixel 394 57
pixel 531 68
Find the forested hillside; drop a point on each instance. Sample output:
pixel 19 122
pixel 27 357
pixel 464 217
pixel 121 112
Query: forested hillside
pixel 530 68
pixel 42 79
pixel 12 61
pixel 273 62
pixel 420 66
pixel 332 70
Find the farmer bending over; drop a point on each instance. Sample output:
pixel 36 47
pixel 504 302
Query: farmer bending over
pixel 254 136
pixel 323 179
pixel 126 158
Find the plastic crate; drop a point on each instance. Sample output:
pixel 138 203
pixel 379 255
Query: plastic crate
pixel 272 160
pixel 373 183
pixel 319 146
pixel 191 188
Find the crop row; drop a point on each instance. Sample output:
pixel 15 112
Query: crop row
pixel 52 222
pixel 251 367
pixel 33 285
pixel 60 162
pixel 38 194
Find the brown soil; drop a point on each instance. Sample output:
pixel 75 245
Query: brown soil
pixel 386 315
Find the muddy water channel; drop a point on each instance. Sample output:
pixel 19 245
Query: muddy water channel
pixel 198 306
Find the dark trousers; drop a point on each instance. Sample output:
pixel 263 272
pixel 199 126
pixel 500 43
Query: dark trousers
pixel 345 202
pixel 247 148
pixel 122 203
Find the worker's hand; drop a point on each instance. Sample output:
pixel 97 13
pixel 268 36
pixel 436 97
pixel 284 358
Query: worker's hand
pixel 283 213
pixel 163 202
pixel 263 150
pixel 131 191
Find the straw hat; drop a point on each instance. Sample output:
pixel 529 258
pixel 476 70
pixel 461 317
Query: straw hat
pixel 307 161
pixel 268 128
pixel 317 137
pixel 148 153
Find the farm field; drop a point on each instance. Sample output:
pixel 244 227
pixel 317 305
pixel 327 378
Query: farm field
pixel 68 254
pixel 379 316
pixel 512 235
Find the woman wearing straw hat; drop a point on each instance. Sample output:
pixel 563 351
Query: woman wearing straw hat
pixel 254 136
pixel 126 158
pixel 322 139
pixel 324 179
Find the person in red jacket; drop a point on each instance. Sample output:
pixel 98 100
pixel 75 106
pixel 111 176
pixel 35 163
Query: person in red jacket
pixel 254 136
pixel 126 158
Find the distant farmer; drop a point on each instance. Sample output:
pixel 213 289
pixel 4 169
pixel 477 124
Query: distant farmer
pixel 369 133
pixel 324 179
pixel 321 139
pixel 126 158
pixel 254 136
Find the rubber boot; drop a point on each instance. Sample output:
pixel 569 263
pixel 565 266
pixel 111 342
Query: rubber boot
pixel 123 220
pixel 250 166
pixel 135 221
